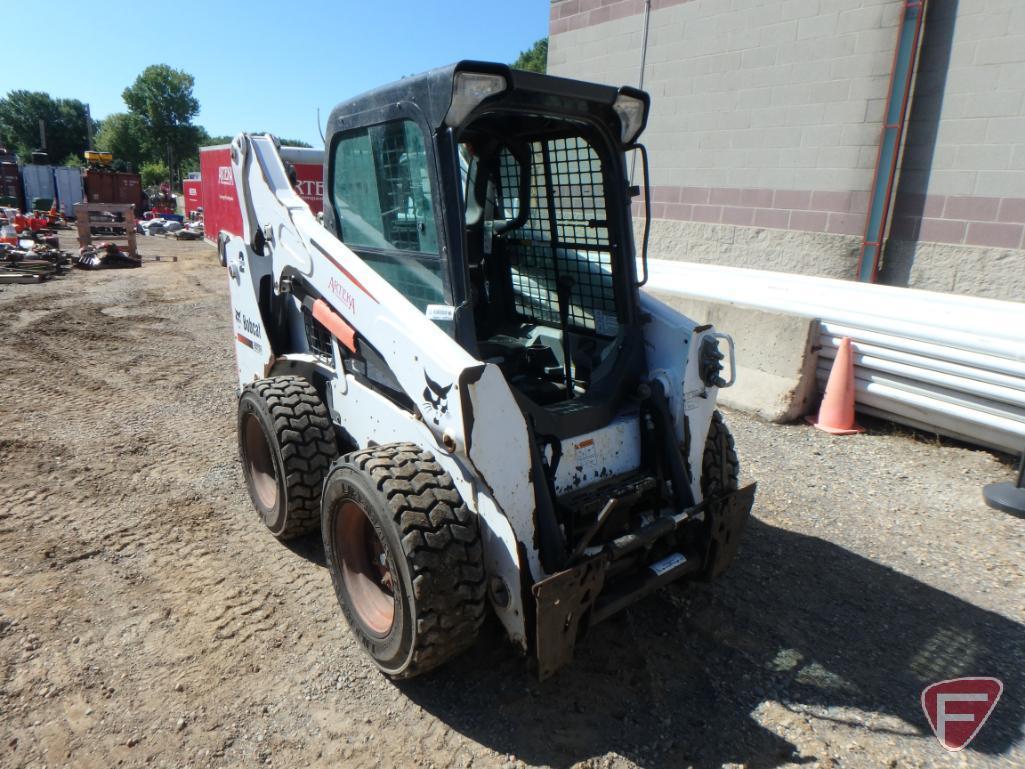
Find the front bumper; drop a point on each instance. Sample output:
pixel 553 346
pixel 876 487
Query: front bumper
pixel 570 601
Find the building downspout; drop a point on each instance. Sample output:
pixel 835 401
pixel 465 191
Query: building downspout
pixel 643 64
pixel 905 56
pixel 644 43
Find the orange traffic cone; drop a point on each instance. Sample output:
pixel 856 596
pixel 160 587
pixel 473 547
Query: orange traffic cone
pixel 836 414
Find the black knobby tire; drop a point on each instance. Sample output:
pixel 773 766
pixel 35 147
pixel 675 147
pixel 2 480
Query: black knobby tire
pixel 720 468
pixel 418 599
pixel 720 474
pixel 287 444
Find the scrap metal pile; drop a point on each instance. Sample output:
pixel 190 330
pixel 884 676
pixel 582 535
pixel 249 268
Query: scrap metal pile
pixel 192 231
pixel 105 255
pixel 29 248
pixel 31 262
pixel 180 230
pixel 162 217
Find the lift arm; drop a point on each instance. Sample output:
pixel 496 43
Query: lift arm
pixel 466 404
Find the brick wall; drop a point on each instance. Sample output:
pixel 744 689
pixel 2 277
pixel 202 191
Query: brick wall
pixel 767 114
pixel 776 94
pixel 959 216
pixel 973 90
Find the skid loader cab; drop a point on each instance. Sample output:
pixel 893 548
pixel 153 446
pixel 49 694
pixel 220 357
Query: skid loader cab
pixel 497 201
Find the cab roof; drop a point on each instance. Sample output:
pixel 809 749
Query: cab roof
pixel 431 93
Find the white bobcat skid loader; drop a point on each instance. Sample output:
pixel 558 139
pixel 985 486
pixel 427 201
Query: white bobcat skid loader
pixel 456 377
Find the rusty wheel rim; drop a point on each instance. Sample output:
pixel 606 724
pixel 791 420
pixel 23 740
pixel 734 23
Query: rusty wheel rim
pixel 363 561
pixel 260 463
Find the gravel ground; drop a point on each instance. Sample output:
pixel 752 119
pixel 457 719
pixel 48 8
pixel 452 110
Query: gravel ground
pixel 147 619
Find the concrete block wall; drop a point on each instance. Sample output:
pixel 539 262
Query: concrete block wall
pixel 767 116
pixel 959 218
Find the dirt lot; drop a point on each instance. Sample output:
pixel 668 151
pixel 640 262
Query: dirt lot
pixel 146 618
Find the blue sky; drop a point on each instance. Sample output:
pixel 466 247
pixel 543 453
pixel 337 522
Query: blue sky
pixel 259 65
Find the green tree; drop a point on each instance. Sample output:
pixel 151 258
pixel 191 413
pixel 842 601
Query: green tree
pixel 213 141
pixel 206 140
pixel 65 122
pixel 123 134
pixel 535 58
pixel 162 99
pixel 153 173
pixel 190 162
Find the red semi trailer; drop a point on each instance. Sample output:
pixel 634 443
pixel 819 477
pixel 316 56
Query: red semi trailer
pixel 192 191
pixel 221 211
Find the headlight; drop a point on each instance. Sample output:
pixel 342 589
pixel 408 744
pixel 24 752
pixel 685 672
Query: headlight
pixel 468 90
pixel 631 116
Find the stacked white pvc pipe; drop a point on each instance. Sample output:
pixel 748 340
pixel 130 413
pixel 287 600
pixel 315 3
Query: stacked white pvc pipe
pixel 945 363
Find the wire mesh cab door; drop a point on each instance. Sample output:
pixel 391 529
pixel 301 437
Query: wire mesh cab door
pixel 553 297
pixel 565 237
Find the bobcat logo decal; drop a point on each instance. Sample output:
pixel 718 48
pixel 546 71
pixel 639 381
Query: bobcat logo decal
pixel 435 399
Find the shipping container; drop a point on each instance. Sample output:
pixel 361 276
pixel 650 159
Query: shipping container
pixel 68 181
pixel 10 184
pixel 99 186
pixel 192 191
pixel 128 188
pixel 221 211
pixel 113 187
pixel 38 182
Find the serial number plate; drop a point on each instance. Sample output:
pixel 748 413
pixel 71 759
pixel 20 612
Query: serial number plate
pixel 667 563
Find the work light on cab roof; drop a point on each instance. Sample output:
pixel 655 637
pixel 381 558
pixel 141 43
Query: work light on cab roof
pixel 468 90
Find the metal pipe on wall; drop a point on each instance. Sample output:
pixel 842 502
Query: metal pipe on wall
pixel 644 43
pixel 909 36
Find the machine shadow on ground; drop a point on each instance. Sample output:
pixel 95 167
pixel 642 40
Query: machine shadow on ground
pixel 308 546
pixel 674 681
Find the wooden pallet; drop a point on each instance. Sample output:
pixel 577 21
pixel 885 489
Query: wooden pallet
pixel 89 217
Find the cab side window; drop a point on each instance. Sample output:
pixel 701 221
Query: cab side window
pixel 381 192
